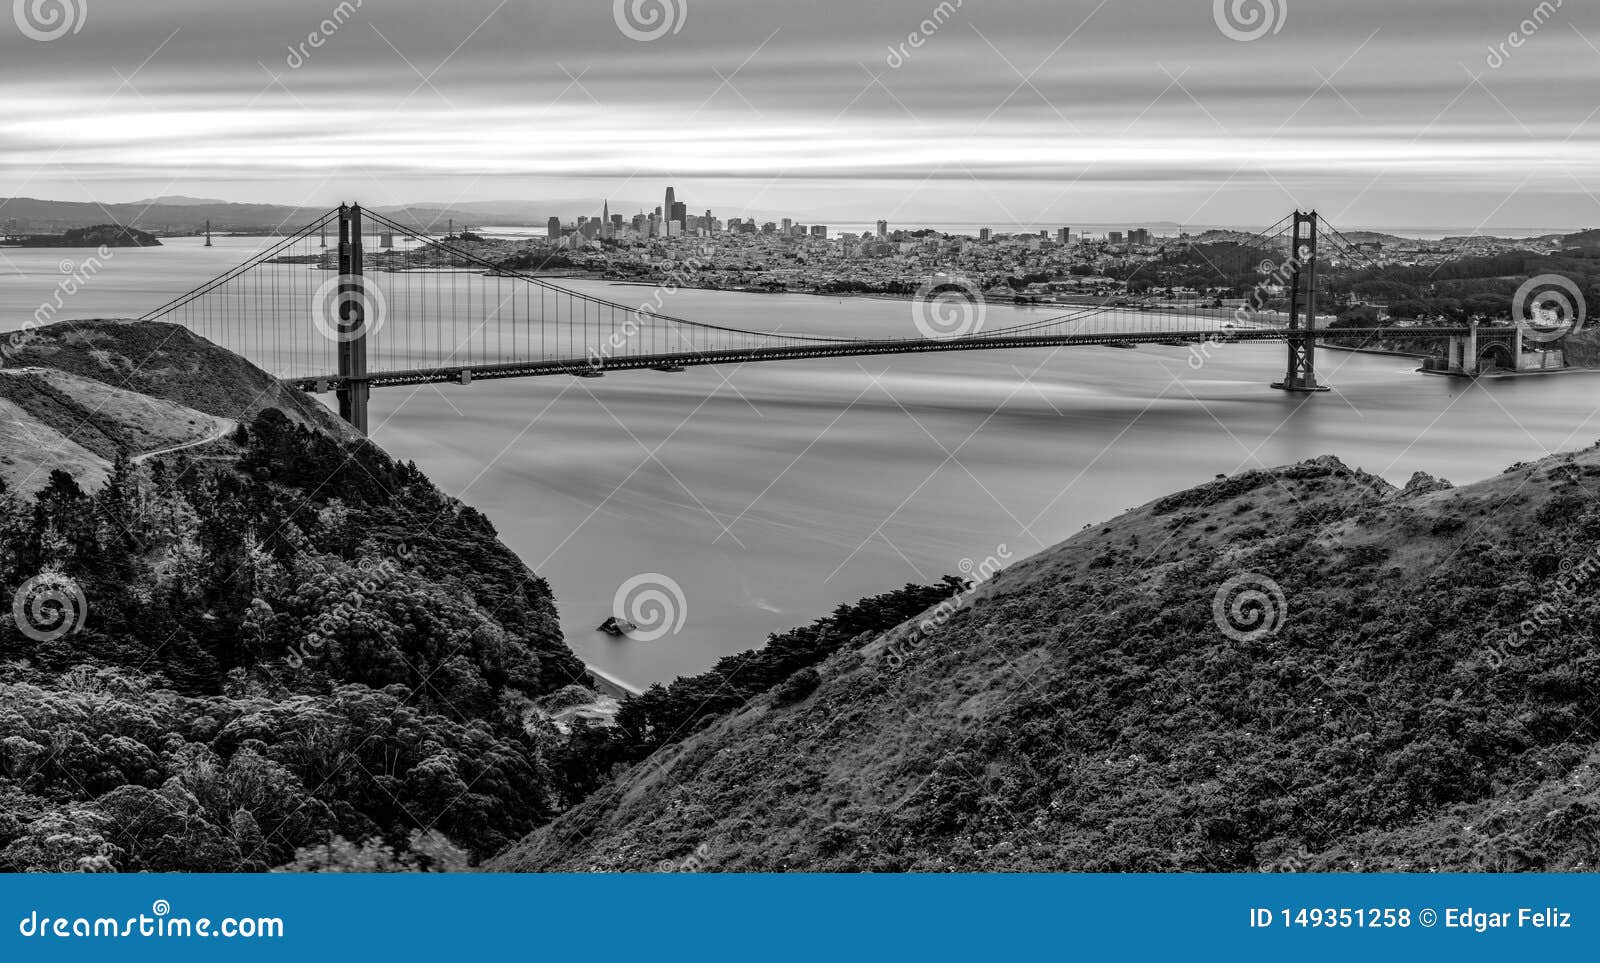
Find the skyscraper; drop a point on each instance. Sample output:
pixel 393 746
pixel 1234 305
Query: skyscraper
pixel 553 228
pixel 671 199
pixel 605 219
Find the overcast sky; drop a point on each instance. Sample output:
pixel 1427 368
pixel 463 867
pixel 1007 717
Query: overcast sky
pixel 1377 112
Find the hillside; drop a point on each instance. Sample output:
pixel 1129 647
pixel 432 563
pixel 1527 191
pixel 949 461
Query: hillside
pixel 1423 699
pixel 75 395
pixel 275 648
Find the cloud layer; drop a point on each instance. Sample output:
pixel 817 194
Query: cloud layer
pixel 1454 113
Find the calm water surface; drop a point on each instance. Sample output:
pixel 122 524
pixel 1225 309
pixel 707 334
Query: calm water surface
pixel 773 492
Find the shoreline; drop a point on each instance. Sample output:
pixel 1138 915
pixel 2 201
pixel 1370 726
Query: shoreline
pixel 610 685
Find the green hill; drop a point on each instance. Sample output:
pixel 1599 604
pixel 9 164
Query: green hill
pixel 1426 702
pixel 278 647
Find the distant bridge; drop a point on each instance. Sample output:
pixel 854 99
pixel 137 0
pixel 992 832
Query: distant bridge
pixel 385 305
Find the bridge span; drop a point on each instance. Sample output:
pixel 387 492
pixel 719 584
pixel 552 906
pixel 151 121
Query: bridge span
pixel 388 304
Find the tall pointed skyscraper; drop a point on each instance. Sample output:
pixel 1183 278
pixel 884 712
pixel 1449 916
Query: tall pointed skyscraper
pixel 605 219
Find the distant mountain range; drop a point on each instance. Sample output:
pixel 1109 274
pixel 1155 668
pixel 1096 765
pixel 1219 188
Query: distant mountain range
pixel 182 215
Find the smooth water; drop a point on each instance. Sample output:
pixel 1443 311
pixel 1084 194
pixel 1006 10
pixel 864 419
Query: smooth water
pixel 770 493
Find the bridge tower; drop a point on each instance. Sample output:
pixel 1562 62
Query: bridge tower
pixel 353 389
pixel 1301 373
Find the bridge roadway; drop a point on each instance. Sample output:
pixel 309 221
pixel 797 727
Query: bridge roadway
pixel 844 349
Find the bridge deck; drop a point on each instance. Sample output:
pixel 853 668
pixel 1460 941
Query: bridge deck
pixel 845 349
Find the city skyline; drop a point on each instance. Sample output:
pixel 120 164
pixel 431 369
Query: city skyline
pixel 1133 112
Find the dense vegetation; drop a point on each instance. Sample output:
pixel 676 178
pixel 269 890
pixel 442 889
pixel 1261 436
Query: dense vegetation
pixel 295 647
pixel 1425 704
pixel 100 235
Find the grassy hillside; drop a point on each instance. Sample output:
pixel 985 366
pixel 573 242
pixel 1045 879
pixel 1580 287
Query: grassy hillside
pixel 1425 699
pixel 169 362
pixel 76 395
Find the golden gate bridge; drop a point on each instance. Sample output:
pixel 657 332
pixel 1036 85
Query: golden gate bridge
pixel 391 305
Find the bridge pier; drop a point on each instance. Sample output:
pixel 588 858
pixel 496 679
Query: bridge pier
pixel 1300 373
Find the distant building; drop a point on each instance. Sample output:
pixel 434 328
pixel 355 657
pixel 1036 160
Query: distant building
pixel 552 228
pixel 883 229
pixel 1115 237
pixel 1138 235
pixel 788 227
pixel 985 233
pixel 819 230
pixel 1063 236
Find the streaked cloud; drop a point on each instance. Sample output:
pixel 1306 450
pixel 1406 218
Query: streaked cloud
pixel 1022 111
